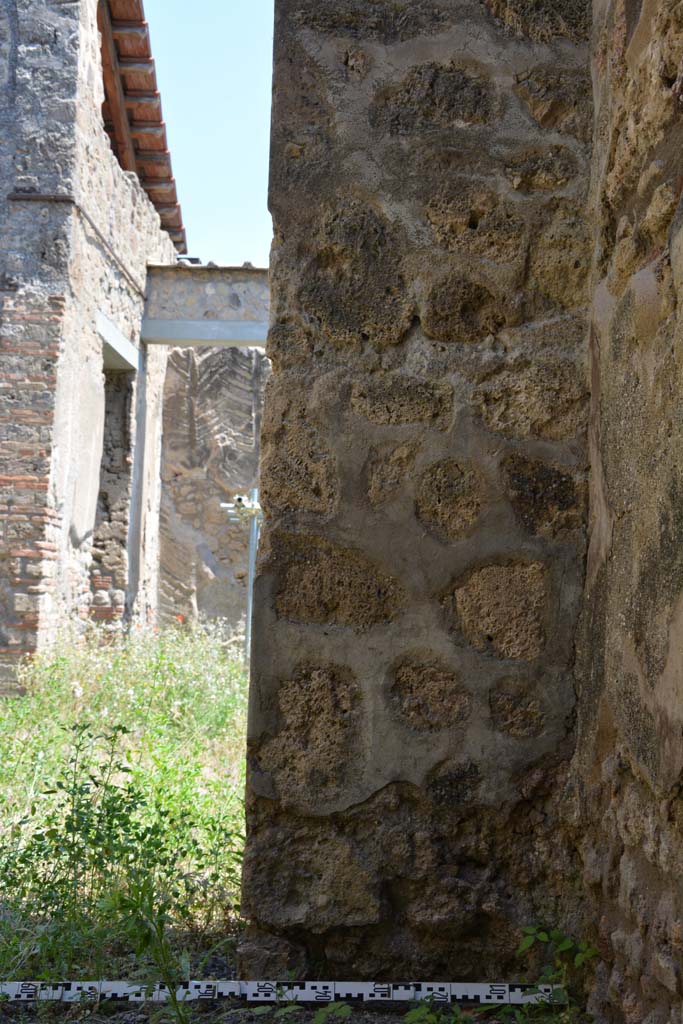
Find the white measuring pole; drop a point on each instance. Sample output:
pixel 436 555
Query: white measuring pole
pixel 254 532
pixel 239 511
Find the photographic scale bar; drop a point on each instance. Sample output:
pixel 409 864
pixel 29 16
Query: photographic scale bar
pixel 280 992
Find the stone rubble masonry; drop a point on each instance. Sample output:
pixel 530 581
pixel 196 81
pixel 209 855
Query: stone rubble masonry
pixel 109 569
pixel 80 246
pixel 628 769
pixel 424 481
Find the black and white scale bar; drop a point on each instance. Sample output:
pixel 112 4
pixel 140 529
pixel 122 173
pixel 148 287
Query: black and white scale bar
pixel 281 992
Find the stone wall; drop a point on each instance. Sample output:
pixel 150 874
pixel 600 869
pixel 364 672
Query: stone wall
pixel 76 234
pixel 212 418
pixel 109 569
pixel 213 401
pixel 424 477
pixel 629 766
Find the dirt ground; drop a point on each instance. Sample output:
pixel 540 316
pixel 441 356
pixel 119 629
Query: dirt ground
pixel 209 1013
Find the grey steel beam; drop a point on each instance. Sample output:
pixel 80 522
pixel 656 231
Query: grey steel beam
pixel 225 333
pixel 119 352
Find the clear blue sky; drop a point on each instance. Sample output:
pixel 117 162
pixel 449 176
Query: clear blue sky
pixel 214 68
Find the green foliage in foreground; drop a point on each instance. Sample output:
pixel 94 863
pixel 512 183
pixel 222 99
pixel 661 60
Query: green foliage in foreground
pixel 563 961
pixel 121 779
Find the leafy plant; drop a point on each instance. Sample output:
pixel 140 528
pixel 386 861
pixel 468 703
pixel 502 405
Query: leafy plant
pixel 565 959
pixel 322 1015
pixel 122 762
pixel 144 914
pixel 430 1011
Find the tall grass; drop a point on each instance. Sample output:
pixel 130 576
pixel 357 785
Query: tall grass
pixel 121 773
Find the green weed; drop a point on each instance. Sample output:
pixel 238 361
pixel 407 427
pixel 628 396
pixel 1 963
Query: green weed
pixel 564 962
pixel 121 778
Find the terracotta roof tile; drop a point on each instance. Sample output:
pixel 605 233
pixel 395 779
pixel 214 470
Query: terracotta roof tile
pixel 132 109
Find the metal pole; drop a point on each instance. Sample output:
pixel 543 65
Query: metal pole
pixel 254 530
pixel 238 511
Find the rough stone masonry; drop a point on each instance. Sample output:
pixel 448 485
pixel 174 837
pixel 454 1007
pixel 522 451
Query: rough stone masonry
pixel 424 478
pixel 86 193
pixel 466 709
pixel 76 235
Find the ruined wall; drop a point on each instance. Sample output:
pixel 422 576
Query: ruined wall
pixel 109 568
pixel 114 238
pixel 33 243
pixel 213 401
pixel 212 418
pixel 629 766
pixel 424 482
pixel 75 237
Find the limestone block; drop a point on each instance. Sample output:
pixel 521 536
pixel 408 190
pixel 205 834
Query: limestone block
pixel 371 19
pixel 457 308
pixel 548 400
pixel 449 498
pixel 548 169
pixel 454 783
pixel 558 99
pixel 387 470
pixel 500 609
pixel 467 217
pixel 321 582
pixel 353 284
pixel 305 873
pixel 298 466
pixel 546 500
pixel 560 259
pixel 516 711
pixel 545 18
pixel 316 747
pixel 428 695
pixel 390 398
pixel 433 96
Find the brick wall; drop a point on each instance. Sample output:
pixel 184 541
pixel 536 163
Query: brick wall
pixel 76 235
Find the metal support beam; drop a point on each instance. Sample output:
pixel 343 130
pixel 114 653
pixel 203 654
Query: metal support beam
pixel 119 352
pixel 226 333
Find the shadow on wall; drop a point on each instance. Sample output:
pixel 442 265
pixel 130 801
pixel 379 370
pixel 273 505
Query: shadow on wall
pixel 210 452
